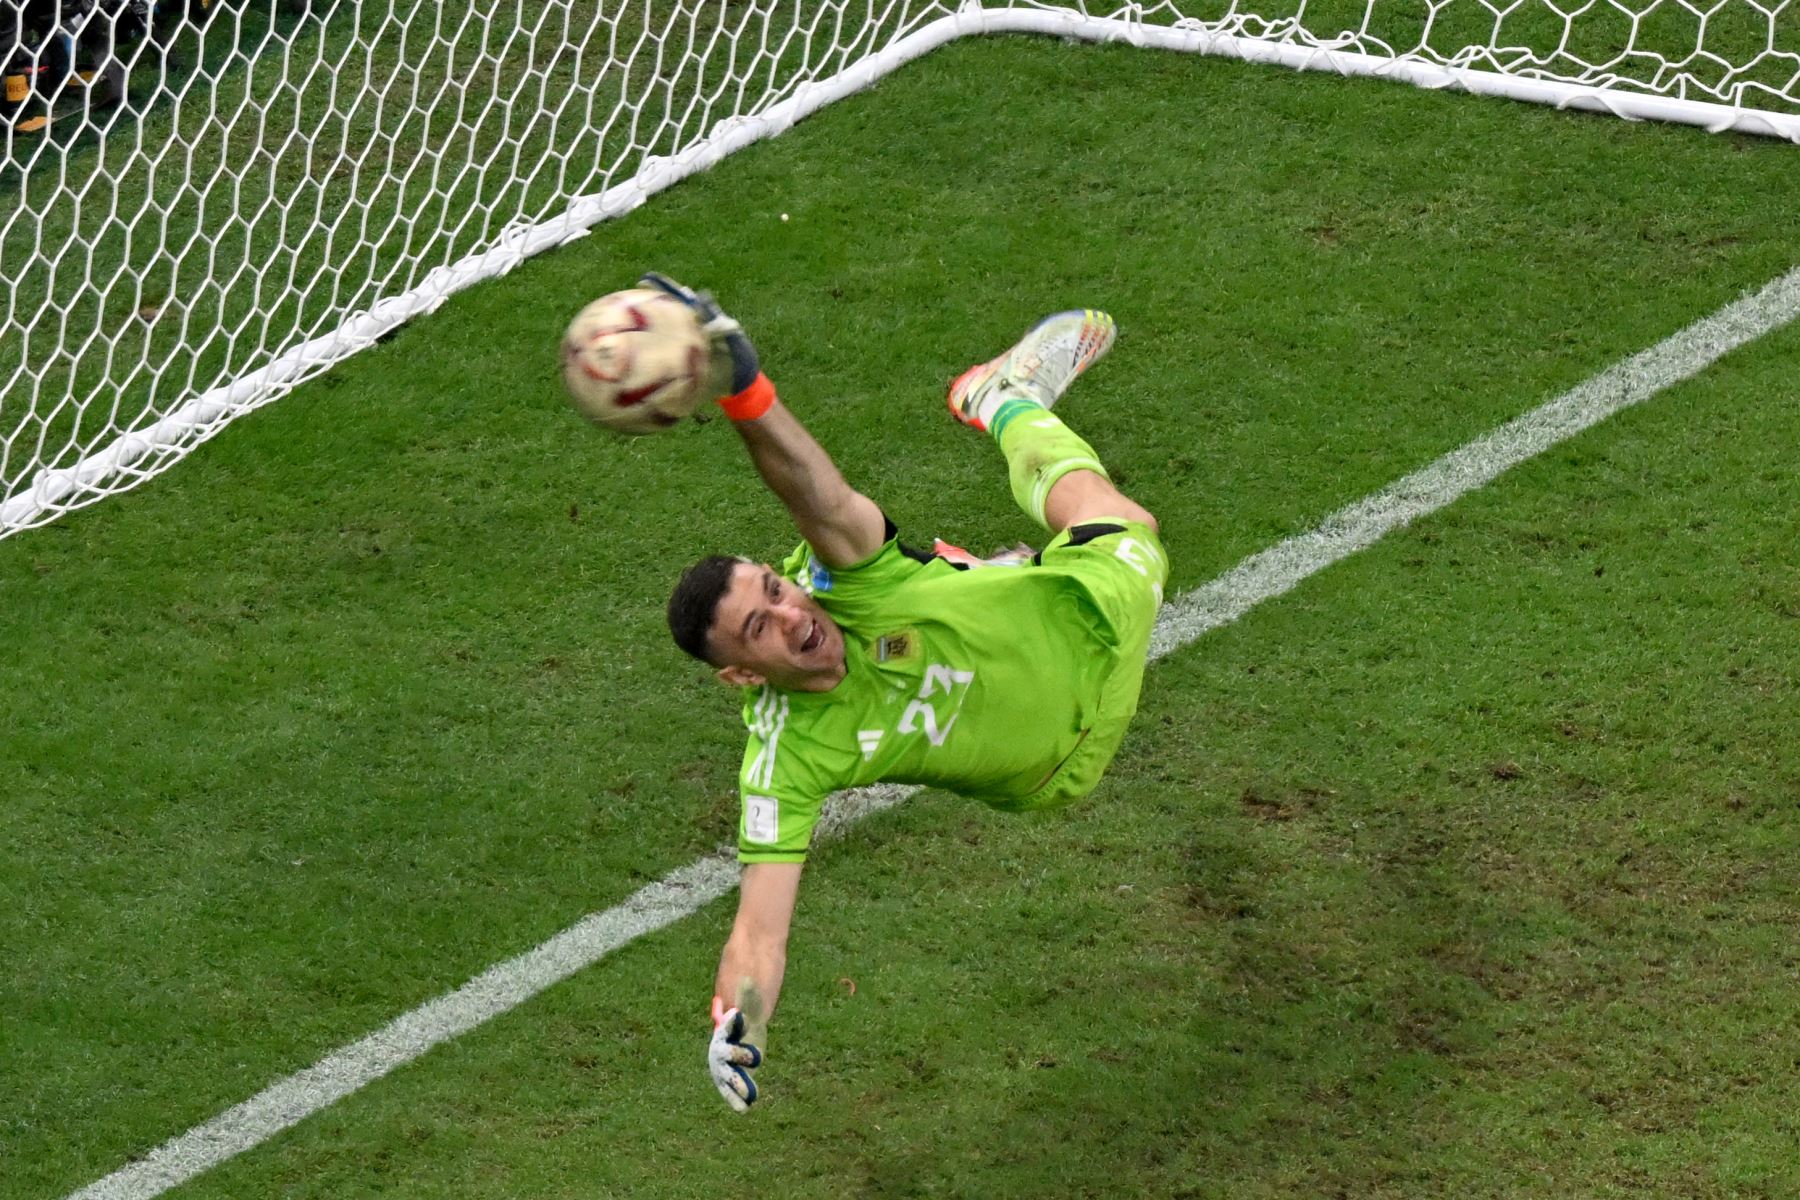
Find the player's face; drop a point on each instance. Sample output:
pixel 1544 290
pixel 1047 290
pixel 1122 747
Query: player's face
pixel 767 629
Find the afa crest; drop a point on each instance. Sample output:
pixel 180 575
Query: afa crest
pixel 892 647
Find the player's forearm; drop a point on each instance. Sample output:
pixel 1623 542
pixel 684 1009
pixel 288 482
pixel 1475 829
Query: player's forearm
pixel 749 980
pixel 842 525
pixel 755 957
pixel 795 466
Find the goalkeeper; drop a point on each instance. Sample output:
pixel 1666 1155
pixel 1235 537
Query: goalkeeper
pixel 862 660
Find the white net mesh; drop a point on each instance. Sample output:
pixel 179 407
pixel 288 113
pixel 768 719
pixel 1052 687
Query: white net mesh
pixel 205 202
pixel 1739 53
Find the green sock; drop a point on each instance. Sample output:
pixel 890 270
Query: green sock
pixel 1039 450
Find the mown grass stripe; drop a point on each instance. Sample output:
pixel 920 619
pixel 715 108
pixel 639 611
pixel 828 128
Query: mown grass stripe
pixel 1277 569
pixel 1260 577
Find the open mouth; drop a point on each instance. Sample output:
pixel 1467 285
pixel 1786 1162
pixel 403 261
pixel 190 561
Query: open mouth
pixel 814 640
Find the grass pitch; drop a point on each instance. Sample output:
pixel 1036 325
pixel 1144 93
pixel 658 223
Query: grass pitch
pixel 1464 869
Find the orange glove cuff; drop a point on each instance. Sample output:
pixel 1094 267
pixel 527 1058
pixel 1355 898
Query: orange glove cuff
pixel 752 402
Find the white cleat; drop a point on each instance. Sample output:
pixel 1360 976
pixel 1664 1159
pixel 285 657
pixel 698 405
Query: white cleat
pixel 1038 369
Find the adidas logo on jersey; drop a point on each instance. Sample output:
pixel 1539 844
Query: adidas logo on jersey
pixel 870 740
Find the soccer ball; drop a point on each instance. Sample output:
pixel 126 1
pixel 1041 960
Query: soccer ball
pixel 636 361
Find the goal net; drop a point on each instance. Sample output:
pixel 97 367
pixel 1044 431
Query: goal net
pixel 204 203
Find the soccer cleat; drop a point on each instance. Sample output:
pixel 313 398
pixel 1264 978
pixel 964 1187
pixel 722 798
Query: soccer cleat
pixel 1039 369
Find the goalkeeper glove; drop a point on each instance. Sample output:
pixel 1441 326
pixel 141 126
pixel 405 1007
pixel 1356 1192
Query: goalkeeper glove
pixel 734 363
pixel 730 1058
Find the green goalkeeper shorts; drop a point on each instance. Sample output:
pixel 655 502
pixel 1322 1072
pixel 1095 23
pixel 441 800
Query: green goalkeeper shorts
pixel 1122 567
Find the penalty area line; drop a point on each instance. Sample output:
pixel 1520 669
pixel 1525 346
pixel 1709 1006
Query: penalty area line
pixel 1262 576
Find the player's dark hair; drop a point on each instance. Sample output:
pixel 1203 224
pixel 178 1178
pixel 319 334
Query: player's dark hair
pixel 695 602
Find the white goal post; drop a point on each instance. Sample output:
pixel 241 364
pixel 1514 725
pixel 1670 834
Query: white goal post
pixel 204 203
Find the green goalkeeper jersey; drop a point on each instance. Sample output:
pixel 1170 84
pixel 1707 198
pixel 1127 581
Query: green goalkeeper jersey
pixel 986 682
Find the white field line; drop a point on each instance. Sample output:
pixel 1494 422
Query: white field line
pixel 1260 577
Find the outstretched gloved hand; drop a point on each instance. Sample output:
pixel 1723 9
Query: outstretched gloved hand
pixel 734 362
pixel 730 1058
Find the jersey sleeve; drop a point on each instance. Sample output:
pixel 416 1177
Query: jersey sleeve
pixel 776 828
pixel 780 802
